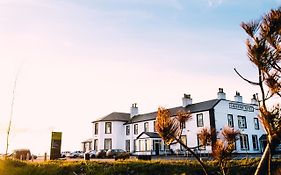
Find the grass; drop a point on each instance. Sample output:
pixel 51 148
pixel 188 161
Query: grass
pixel 128 167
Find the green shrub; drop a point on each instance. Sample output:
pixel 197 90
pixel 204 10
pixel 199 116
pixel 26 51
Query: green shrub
pixel 127 167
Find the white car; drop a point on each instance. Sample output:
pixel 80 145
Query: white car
pixel 65 154
pixel 76 154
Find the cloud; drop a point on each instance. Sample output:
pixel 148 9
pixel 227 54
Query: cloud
pixel 214 3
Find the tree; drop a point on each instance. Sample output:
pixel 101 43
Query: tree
pixel 264 51
pixel 223 147
pixel 170 129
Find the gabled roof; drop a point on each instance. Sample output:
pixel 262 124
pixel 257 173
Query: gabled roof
pixel 115 116
pixel 149 134
pixel 197 107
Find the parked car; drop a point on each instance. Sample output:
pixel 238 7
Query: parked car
pixel 92 153
pixel 65 154
pixel 76 154
pixel 101 153
pixel 116 153
pixel 22 154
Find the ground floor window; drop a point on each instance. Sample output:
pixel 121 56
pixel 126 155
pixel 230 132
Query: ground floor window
pixel 107 143
pixel 184 140
pixel 127 145
pixel 255 142
pixel 244 142
pixel 135 145
pixel 95 144
pixel 200 145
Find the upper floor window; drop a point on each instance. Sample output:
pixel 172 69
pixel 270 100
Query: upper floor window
pixel 136 129
pixel 154 128
pixel 96 128
pixel 256 123
pixel 107 127
pixel 128 130
pixel 200 122
pixel 146 127
pixel 242 122
pixel 244 142
pixel 230 120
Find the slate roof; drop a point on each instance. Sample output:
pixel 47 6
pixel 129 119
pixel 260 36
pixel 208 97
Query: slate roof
pixel 197 107
pixel 115 116
pixel 150 134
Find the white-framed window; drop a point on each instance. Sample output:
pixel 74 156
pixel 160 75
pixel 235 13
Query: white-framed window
pixel 135 145
pixel 96 144
pixel 128 130
pixel 108 127
pixel 127 145
pixel 145 145
pixel 136 129
pixel 244 142
pixel 230 122
pixel 154 128
pixel 107 144
pixel 256 123
pixel 184 140
pixel 96 128
pixel 255 142
pixel 200 122
pixel 203 147
pixel 242 122
pixel 146 127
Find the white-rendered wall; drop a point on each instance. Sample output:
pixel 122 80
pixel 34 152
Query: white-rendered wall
pixel 191 130
pixel 133 136
pixel 221 111
pixel 117 135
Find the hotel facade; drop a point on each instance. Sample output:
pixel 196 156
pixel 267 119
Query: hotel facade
pixel 136 132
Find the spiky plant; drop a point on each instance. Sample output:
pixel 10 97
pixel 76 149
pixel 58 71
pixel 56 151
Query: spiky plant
pixel 264 51
pixel 169 129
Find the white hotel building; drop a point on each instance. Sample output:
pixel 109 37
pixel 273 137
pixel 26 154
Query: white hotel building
pixel 136 132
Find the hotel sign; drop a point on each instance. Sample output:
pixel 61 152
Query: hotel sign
pixel 241 107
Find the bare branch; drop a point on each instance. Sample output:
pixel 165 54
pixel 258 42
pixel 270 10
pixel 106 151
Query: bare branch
pixel 251 82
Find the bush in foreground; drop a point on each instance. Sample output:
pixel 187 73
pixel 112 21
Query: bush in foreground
pixel 128 167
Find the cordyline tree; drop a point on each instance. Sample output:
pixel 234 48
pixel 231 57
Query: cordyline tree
pixel 264 51
pixel 223 147
pixel 170 129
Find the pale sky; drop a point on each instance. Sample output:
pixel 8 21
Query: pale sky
pixel 84 59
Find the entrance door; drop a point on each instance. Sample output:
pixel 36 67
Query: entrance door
pixel 157 147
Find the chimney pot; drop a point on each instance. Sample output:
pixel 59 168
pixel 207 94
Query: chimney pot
pixel 221 94
pixel 238 97
pixel 134 110
pixel 254 100
pixel 186 100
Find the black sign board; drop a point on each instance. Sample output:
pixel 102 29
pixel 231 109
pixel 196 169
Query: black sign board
pixel 55 145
